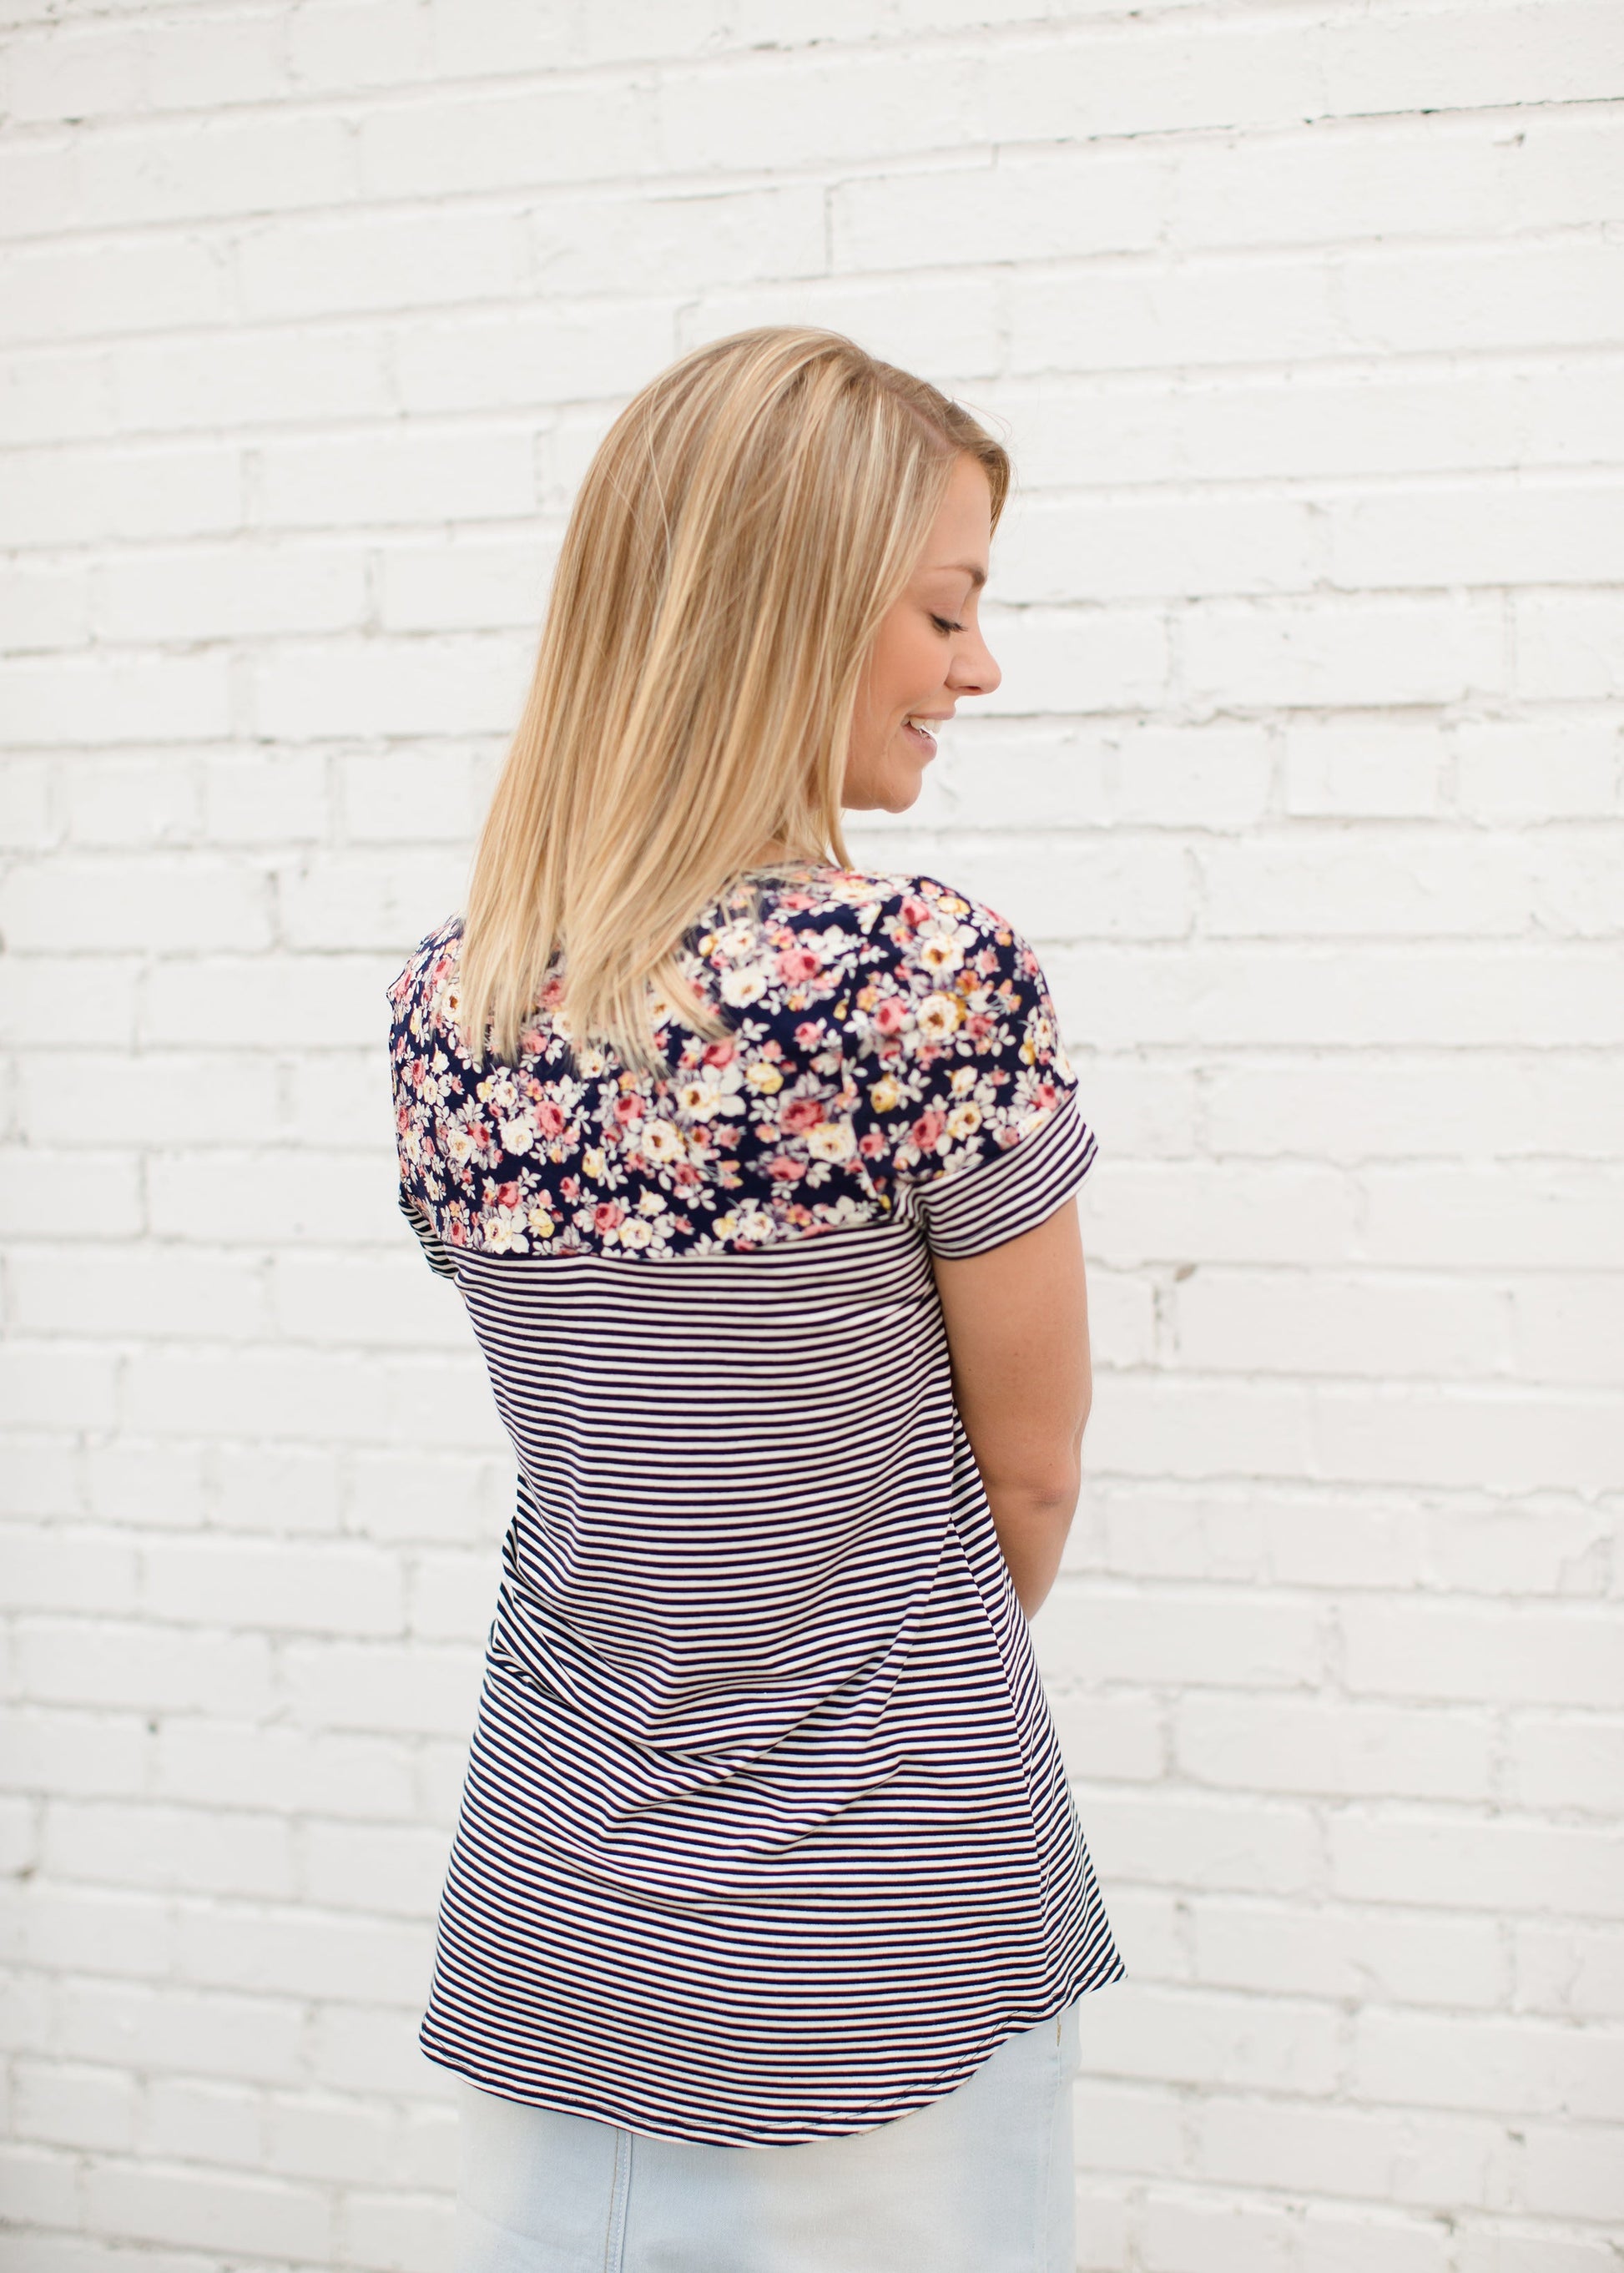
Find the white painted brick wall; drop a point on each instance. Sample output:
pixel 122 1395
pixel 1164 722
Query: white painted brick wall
pixel 1306 319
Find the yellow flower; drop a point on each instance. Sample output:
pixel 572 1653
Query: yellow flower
pixel 885 1096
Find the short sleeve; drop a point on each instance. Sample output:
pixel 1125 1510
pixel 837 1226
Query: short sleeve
pixel 438 1254
pixel 412 1097
pixel 967 1114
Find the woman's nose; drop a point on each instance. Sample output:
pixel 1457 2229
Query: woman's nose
pixel 974 670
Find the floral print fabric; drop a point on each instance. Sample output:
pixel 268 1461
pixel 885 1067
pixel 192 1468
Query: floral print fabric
pixel 886 1031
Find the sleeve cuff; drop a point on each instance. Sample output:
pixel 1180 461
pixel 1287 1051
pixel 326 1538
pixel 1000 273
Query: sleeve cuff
pixel 1012 1192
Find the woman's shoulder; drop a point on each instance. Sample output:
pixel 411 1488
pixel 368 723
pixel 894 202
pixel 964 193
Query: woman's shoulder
pixel 427 979
pixel 903 912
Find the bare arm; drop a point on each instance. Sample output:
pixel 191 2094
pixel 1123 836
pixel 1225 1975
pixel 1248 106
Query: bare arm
pixel 1017 1334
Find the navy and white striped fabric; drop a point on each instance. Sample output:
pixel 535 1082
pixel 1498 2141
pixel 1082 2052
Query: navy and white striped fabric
pixel 765 1834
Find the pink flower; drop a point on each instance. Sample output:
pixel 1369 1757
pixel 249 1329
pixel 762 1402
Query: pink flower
pixel 718 1053
pixel 784 1171
pixel 926 1128
pixel 549 1117
pixel 809 1033
pixel 606 1214
pixel 508 1194
pixel 871 1145
pixel 801 1113
pixel 627 1108
pixel 890 1016
pixel 798 963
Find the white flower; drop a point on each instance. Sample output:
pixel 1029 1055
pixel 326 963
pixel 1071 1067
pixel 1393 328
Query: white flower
pixel 746 986
pixel 660 1143
pixel 831 1140
pixel 652 1204
pixel 517 1135
pixel 764 1075
pixel 633 1232
pixel 592 1161
pixel 938 1017
pixel 963 1120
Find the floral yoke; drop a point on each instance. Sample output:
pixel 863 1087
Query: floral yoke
pixel 887 1032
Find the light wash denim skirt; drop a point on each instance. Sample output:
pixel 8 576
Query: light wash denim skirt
pixel 979 2181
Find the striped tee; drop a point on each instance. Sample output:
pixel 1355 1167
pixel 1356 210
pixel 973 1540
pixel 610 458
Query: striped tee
pixel 766 1835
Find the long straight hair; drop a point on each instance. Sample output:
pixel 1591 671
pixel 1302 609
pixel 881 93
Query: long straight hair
pixel 743 528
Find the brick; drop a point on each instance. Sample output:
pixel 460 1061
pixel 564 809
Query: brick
pixel 942 326
pixel 1147 314
pixel 85 1662
pixel 205 593
pixel 1090 889
pixel 1527 770
pixel 1569 646
pixel 1565 1217
pixel 61 1567
pixel 303 692
pixel 1369 2153
pixel 1206 2037
pixel 75 72
pixel 1507 2064
pixel 28 802
pixel 1126 79
pixel 1465 1862
pixel 1363 1954
pixel 1092 548
pixel 1567 1969
pixel 297 268
pixel 1545 1653
pixel 765 111
pixel 134 696
pixel 98 291
pixel 364 899
pixel 1386 770
pixel 1053 205
pixel 1423 882
pixel 243 380
pixel 1567 530
pixel 203 64
pixel 44 605
pixel 1335 1749
pixel 1075 660
pixel 452 141
pixel 64 497
pixel 1317 653
pixel 1428 176
pixel 521 358
pixel 1510 294
pixel 331 1588
pixel 474 582
pixel 1422 1106
pixel 407 476
pixel 134 798
pixel 1567 1326
pixel 707 237
pixel 108 904
pixel 1572 1760
pixel 234 1852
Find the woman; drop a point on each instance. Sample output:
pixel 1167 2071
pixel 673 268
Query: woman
pixel 755 1174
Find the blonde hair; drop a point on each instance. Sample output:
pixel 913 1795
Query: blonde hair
pixel 743 528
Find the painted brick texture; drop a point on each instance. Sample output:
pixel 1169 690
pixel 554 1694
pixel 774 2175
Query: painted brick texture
pixel 1305 319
